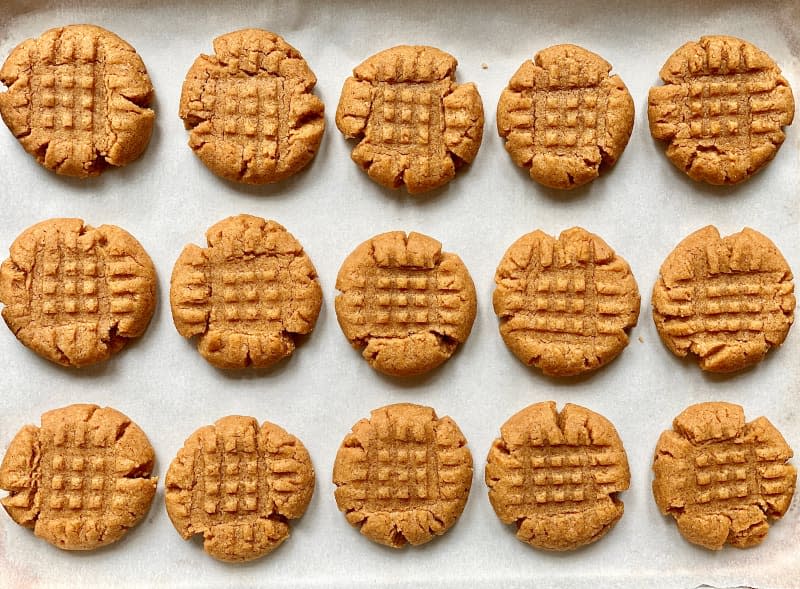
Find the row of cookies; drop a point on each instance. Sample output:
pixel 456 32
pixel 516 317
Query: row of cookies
pixel 76 294
pixel 252 115
pixel 84 477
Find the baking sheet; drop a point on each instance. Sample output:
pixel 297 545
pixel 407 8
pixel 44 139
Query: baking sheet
pixel 642 208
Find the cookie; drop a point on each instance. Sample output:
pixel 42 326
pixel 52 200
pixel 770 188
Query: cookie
pixel 564 118
pixel 415 125
pixel 250 109
pixel 727 301
pixel 721 110
pixel 403 475
pixel 565 305
pixel 82 479
pixel 406 304
pixel 239 485
pixel 78 100
pixel 76 294
pixel 557 475
pixel 722 479
pixel 248 296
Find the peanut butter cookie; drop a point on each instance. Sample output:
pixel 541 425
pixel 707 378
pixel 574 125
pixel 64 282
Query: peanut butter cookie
pixel 239 485
pixel 557 475
pixel 250 108
pixel 75 294
pixel 721 109
pixel 725 300
pixel 248 295
pixel 404 302
pixel 722 479
pixel 565 305
pixel 415 124
pixel 403 475
pixel 564 118
pixel 77 100
pixel 82 479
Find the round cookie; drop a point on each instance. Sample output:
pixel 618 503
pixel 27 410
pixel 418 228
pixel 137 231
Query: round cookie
pixel 721 109
pixel 404 302
pixel 76 294
pixel 250 109
pixel 565 305
pixel 564 118
pixel 722 479
pixel 403 475
pixel 77 100
pixel 248 295
pixel 725 300
pixel 557 475
pixel 82 479
pixel 238 485
pixel 416 126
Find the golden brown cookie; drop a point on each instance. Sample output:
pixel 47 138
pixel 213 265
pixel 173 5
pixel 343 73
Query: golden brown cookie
pixel 82 479
pixel 250 108
pixel 76 294
pixel 404 302
pixel 238 485
pixel 722 479
pixel 77 100
pixel 725 300
pixel 565 305
pixel 416 126
pixel 564 118
pixel 403 475
pixel 557 475
pixel 721 109
pixel 248 295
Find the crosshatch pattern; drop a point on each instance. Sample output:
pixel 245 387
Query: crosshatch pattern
pixel 722 109
pixel 557 475
pixel 77 100
pixel 722 478
pixel 414 123
pixel 406 304
pixel 250 108
pixel 76 294
pixel 247 295
pixel 565 304
pixel 239 485
pixel 725 300
pixel 82 479
pixel 564 117
pixel 403 476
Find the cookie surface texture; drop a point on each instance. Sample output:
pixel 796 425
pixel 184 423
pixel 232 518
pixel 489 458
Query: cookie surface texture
pixel 414 124
pixel 557 475
pixel 564 118
pixel 722 479
pixel 721 110
pixel 406 304
pixel 727 301
pixel 77 100
pixel 248 295
pixel 82 479
pixel 565 305
pixel 239 485
pixel 75 294
pixel 250 109
pixel 403 475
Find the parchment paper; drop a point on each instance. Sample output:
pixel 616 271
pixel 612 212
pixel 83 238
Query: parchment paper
pixel 642 208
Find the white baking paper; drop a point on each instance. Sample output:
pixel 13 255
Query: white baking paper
pixel 642 208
